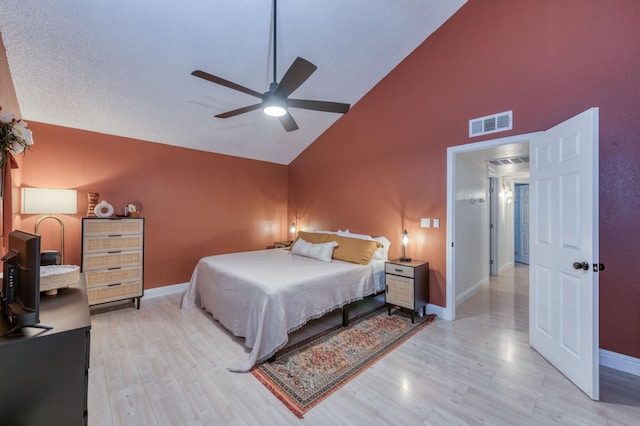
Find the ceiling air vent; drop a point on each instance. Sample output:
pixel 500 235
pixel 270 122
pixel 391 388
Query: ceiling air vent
pixel 509 161
pixel 491 124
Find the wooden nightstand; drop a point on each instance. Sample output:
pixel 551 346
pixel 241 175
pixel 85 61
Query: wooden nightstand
pixel 282 244
pixel 407 285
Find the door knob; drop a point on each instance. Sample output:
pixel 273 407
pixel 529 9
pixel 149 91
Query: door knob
pixel 581 265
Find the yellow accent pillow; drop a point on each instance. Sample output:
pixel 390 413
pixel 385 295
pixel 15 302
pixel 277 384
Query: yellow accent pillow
pixel 354 250
pixel 311 237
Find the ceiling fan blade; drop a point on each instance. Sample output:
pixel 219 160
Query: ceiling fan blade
pixel 319 105
pixel 288 122
pixel 226 83
pixel 239 111
pixel 298 72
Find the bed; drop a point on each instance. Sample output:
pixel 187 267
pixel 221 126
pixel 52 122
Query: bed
pixel 265 295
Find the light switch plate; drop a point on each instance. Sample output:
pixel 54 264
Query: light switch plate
pixel 436 223
pixel 425 222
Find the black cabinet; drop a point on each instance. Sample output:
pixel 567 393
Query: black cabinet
pixel 44 373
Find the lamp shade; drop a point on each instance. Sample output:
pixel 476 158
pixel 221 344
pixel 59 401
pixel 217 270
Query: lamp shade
pixel 49 201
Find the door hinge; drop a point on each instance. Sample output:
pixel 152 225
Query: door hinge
pixel 491 262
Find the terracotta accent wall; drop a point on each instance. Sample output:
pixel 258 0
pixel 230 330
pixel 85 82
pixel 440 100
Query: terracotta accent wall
pixel 194 203
pixel 383 165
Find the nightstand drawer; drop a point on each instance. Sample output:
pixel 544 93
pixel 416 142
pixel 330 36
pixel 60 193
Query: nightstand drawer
pixel 403 270
pixel 400 291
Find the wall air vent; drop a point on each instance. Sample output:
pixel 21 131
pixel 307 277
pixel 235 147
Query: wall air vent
pixel 491 124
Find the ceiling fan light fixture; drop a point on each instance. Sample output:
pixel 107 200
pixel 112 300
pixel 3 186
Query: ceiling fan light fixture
pixel 276 102
pixel 274 110
pixel 274 106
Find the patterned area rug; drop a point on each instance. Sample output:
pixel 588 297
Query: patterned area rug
pixel 304 375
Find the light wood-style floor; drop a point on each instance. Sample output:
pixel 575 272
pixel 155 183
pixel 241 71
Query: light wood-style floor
pixel 157 366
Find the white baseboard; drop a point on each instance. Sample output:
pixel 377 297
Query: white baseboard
pixel 438 310
pixel 505 267
pixel 461 298
pixel 621 362
pixel 165 291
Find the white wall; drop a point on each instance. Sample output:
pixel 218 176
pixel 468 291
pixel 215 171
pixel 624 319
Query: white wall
pixel 505 229
pixel 471 228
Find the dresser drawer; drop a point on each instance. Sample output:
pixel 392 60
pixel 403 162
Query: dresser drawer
pixel 116 227
pixel 114 292
pixel 113 242
pixel 403 270
pixel 116 259
pixel 113 276
pixel 400 291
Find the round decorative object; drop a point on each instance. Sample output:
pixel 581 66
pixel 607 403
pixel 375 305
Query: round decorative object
pixel 92 202
pixel 103 209
pixel 53 277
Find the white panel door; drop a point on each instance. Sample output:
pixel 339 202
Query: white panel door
pixel 563 297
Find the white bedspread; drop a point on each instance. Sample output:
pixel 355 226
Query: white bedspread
pixel 263 295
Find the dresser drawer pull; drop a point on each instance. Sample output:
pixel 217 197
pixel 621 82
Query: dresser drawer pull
pixel 114 251
pixel 398 270
pixel 113 268
pixel 114 285
pixel 115 235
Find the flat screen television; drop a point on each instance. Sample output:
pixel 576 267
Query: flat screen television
pixel 21 281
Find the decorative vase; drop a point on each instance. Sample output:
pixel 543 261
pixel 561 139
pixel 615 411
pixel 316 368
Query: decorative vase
pixel 93 201
pixel 103 209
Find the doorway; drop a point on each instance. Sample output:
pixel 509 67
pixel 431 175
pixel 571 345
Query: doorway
pixel 564 208
pixel 480 216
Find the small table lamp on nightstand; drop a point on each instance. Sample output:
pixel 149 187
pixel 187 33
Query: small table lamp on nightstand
pixel 405 242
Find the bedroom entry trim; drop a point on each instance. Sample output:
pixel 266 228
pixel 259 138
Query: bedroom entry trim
pixel 449 312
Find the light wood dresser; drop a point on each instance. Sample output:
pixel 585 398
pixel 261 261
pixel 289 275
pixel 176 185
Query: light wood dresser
pixel 113 259
pixel 407 285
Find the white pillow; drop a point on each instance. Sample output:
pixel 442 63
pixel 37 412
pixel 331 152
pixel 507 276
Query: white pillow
pixel 320 231
pixel 352 235
pixel 323 251
pixel 382 252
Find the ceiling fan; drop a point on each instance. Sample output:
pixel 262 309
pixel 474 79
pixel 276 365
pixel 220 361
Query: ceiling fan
pixel 276 101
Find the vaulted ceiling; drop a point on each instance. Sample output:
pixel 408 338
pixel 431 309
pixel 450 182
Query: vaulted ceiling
pixel 124 67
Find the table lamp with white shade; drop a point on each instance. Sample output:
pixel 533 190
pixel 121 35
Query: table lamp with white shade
pixel 50 201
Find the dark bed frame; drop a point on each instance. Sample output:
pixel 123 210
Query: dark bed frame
pixel 345 321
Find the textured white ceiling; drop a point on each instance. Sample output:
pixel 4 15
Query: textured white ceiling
pixel 123 67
